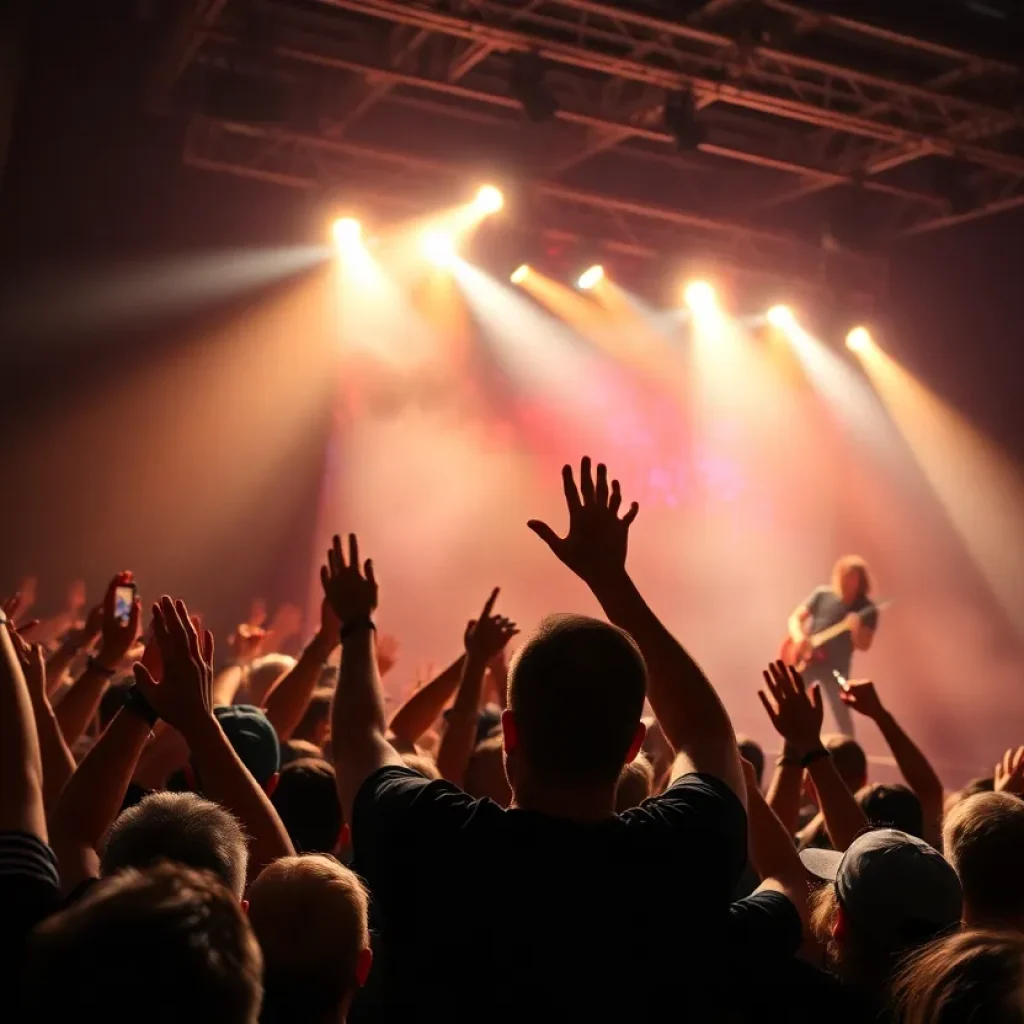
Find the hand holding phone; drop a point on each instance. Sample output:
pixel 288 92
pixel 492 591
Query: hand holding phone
pixel 841 680
pixel 124 601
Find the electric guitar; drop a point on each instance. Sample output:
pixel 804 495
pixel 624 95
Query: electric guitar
pixel 790 651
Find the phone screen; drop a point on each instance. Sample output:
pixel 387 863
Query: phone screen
pixel 841 679
pixel 124 599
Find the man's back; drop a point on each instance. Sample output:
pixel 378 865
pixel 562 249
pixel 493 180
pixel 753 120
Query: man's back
pixel 524 914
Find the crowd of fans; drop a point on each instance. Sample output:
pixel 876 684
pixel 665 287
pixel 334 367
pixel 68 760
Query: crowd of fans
pixel 575 834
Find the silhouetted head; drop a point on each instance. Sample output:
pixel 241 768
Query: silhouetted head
pixel 576 693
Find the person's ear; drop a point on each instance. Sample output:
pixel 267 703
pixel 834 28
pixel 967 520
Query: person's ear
pixel 364 961
pixel 272 784
pixel 344 837
pixel 509 730
pixel 839 926
pixel 638 742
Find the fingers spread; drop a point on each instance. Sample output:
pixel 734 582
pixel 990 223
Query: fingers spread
pixel 601 491
pixel 586 481
pixel 572 495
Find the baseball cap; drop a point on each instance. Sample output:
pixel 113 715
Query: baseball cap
pixel 893 886
pixel 253 737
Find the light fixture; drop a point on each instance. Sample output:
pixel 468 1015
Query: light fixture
pixel 346 232
pixel 439 248
pixel 859 339
pixel 489 199
pixel 591 277
pixel 700 297
pixel 520 274
pixel 781 317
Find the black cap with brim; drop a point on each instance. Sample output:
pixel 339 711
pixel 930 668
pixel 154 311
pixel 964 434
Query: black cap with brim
pixel 892 885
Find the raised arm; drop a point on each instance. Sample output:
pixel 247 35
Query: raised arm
pixel 184 699
pixel 288 698
pixel 915 768
pixel 21 765
pixel 424 706
pixel 797 714
pixel 358 726
pixel 485 637
pixel 74 643
pixel 693 718
pixel 76 708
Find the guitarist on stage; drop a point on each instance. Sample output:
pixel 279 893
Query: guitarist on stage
pixel 845 600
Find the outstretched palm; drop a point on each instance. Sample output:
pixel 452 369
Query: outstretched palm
pixel 350 591
pixel 597 539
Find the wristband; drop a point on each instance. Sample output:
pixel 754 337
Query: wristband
pixel 360 622
pixel 102 670
pixel 814 755
pixel 136 702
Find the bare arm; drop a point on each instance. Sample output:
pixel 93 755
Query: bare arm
pixel 184 699
pixel 288 699
pixel 914 766
pixel 21 765
pixel 797 714
pixel 423 707
pixel 693 718
pixel 93 797
pixel 58 761
pixel 358 725
pixel 484 637
pixel 76 708
pixel 784 790
pixel 74 644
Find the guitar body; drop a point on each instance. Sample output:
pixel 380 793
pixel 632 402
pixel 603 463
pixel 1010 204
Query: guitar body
pixel 789 653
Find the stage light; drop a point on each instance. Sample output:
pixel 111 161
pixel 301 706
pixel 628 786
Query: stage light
pixel 520 274
pixel 439 248
pixel 489 199
pixel 700 297
pixel 859 339
pixel 346 232
pixel 590 277
pixel 781 317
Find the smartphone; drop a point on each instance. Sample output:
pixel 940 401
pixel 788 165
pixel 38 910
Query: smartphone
pixel 841 680
pixel 124 601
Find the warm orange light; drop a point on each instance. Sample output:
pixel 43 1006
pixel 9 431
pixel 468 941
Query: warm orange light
pixel 859 339
pixel 520 274
pixel 489 199
pixel 700 297
pixel 781 317
pixel 439 248
pixel 590 277
pixel 346 232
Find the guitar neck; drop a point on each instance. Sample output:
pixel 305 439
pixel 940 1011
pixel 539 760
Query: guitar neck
pixel 842 627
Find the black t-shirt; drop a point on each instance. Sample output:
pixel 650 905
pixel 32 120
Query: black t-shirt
pixel 515 914
pixel 827 609
pixel 29 893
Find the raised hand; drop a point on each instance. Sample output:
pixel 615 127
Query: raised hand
pixel 796 711
pixel 350 591
pixel 33 664
pixel 76 599
pixel 862 697
pixel 595 545
pixel 286 623
pixel 184 696
pixel 116 640
pixel 1009 773
pixel 245 642
pixel 487 636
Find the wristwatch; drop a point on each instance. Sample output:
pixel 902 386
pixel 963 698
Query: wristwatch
pixel 136 702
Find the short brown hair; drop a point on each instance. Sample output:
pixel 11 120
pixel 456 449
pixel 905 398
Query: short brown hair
pixel 967 977
pixel 180 827
pixel 306 798
pixel 310 915
pixel 577 688
pixel 168 944
pixel 849 758
pixel 983 839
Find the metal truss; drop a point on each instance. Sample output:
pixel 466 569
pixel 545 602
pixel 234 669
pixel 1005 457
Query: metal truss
pixel 781 123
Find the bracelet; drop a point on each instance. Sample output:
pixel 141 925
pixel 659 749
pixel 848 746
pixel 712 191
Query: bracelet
pixel 136 702
pixel 814 755
pixel 94 666
pixel 360 622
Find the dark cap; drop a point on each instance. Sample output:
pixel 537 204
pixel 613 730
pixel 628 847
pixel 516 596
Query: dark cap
pixel 894 887
pixel 253 737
